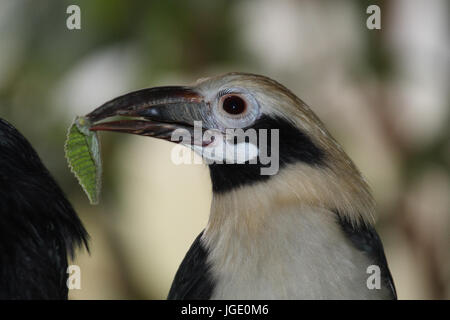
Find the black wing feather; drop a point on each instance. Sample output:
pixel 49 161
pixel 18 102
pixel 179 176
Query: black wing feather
pixel 39 228
pixel 365 238
pixel 193 280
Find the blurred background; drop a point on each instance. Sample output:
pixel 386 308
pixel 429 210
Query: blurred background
pixel 384 95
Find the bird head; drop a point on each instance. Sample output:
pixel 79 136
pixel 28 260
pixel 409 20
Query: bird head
pixel 259 140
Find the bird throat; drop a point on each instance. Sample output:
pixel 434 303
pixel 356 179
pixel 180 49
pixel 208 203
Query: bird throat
pixel 293 147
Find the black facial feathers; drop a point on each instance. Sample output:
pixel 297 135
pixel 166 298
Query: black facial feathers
pixel 294 146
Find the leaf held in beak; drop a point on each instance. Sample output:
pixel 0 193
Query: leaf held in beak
pixel 83 156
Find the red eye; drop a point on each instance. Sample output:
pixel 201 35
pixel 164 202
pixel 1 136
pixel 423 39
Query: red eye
pixel 234 105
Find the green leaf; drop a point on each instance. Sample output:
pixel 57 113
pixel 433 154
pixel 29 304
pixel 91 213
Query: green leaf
pixel 83 156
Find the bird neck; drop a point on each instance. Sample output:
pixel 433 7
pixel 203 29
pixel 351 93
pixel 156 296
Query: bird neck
pixel 277 250
pixel 295 186
pixel 277 227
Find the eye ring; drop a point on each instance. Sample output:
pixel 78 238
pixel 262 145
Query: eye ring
pixel 233 104
pixel 240 111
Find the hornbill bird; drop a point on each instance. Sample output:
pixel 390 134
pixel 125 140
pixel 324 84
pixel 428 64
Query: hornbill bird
pixel 39 228
pixel 302 232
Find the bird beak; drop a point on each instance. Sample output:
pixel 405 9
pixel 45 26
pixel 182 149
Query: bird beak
pixel 156 112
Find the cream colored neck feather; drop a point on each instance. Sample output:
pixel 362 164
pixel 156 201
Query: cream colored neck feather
pixel 283 232
pixel 297 185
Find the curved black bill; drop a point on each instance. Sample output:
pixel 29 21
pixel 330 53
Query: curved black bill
pixel 158 111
